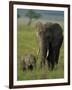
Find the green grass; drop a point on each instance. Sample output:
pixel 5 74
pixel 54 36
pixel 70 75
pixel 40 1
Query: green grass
pixel 27 43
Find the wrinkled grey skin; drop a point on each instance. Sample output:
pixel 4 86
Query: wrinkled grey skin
pixel 28 62
pixel 50 40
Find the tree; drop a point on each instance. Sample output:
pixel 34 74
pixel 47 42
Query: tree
pixel 32 15
pixel 18 15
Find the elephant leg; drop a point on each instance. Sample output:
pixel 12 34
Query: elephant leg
pixel 58 51
pixel 43 56
pixel 52 59
pixel 57 56
pixel 52 64
pixel 49 60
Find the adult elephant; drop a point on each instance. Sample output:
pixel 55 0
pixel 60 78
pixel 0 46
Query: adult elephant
pixel 50 39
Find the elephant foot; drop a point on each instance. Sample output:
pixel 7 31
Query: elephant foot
pixel 49 65
pixel 52 67
pixel 56 66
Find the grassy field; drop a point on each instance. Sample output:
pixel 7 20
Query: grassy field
pixel 27 43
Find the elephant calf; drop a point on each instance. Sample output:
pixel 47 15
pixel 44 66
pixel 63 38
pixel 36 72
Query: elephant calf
pixel 50 39
pixel 28 62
